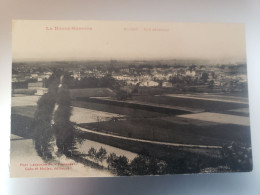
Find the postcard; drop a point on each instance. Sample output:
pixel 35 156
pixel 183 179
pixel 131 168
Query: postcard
pixel 124 98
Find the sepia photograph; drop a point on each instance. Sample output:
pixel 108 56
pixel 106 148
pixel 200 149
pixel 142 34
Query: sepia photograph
pixel 117 98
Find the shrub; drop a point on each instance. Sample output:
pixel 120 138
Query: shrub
pixel 237 156
pixel 92 152
pixel 119 164
pixel 147 165
pixel 101 154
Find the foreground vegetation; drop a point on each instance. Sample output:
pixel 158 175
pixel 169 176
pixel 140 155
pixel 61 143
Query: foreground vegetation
pixel 235 157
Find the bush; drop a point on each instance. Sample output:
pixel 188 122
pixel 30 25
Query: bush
pixel 237 156
pixel 141 165
pixel 110 160
pixel 147 165
pixel 101 154
pixel 119 164
pixel 122 166
pixel 92 152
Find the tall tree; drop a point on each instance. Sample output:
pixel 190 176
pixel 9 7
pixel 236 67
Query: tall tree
pixel 42 129
pixel 63 127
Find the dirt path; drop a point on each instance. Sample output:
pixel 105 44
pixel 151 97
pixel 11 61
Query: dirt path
pixel 149 141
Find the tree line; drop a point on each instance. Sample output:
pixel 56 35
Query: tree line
pixel 51 125
pixel 234 157
pixel 106 81
pixel 143 164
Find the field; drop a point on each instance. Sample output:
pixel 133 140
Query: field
pixel 218 118
pixel 91 92
pixel 27 111
pixel 174 130
pixel 212 97
pixel 172 127
pixel 21 125
pixel 25 101
pixel 121 110
pixel 207 106
pixel 83 115
pixel 22 114
pixel 24 91
pixel 198 127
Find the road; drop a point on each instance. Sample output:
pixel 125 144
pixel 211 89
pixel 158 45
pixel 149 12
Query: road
pixel 149 141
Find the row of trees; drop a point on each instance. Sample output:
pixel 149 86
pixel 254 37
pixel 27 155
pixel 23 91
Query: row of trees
pixel 52 119
pixel 234 156
pixel 91 82
pixel 98 156
pixel 42 127
pixel 63 128
pixel 120 165
pixel 140 165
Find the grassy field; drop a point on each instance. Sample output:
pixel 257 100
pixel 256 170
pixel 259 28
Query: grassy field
pixel 21 125
pixel 91 92
pixel 25 100
pixel 27 111
pixel 190 103
pixel 83 115
pixel 128 112
pixel 218 118
pixel 161 151
pixel 137 105
pixel 219 96
pixel 175 130
pixel 24 91
pixel 146 124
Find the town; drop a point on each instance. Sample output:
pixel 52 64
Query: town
pixel 187 77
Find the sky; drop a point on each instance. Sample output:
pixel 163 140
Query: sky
pixel 47 40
